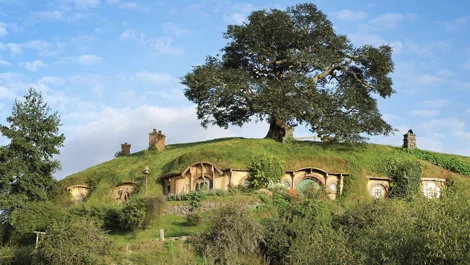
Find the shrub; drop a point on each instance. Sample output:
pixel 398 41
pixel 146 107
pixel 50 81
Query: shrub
pixel 193 219
pixel 139 212
pixel 303 233
pixel 74 242
pixel 232 233
pixel 406 178
pixel 265 169
pixel 37 216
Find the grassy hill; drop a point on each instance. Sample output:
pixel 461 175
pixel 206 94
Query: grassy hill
pixel 358 160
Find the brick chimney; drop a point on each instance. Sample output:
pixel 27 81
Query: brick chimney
pixel 409 140
pixel 157 139
pixel 126 149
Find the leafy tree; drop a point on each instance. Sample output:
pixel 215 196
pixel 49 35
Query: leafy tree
pixel 27 161
pixel 265 169
pixel 232 234
pixel 289 68
pixel 75 242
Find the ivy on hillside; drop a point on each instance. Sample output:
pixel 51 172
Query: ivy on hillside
pixel 264 169
pixel 444 161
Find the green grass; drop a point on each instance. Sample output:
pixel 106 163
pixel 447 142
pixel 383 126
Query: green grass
pixel 359 160
pixel 174 226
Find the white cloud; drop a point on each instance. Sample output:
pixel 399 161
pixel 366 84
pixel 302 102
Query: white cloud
pixel 196 9
pixel 97 82
pixel 85 3
pixel 42 16
pixel 456 24
pixel 349 15
pixel 110 127
pixel 4 63
pixel 173 29
pixel 88 59
pixel 3 29
pixel 446 73
pixel 52 80
pixel 425 113
pixel 436 103
pixel 442 125
pixel 154 77
pixel 43 48
pixel 128 34
pixel 34 65
pixel 387 21
pixel 433 48
pixel 235 18
pixel 466 65
pixel 364 38
pixel 123 4
pixel 6 93
pixel 162 45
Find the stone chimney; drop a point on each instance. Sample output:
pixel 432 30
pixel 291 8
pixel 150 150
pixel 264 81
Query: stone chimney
pixel 157 139
pixel 126 149
pixel 409 140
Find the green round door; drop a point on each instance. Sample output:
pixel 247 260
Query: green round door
pixel 308 184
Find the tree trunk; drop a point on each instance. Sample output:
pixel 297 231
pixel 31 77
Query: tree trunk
pixel 278 130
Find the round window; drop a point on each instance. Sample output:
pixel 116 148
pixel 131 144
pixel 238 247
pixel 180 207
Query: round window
pixel 378 192
pixel 286 184
pixel 332 187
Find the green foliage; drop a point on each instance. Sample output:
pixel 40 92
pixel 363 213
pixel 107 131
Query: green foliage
pixel 193 219
pixel 75 242
pixel 445 161
pixel 232 233
pixel 36 216
pixel 265 169
pixel 16 255
pixel 304 233
pixel 276 66
pixel 406 178
pixel 137 213
pixel 27 162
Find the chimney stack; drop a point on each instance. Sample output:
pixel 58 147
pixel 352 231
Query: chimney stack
pixel 157 139
pixel 409 140
pixel 126 149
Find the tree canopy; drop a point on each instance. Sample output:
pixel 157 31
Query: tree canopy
pixel 289 67
pixel 27 161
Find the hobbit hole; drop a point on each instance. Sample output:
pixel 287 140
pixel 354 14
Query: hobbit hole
pixel 378 187
pixel 123 191
pixel 78 192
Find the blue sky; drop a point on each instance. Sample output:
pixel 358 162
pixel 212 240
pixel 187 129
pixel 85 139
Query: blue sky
pixel 111 67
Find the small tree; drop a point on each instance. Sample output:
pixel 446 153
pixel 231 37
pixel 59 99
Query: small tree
pixel 76 242
pixel 27 161
pixel 406 178
pixel 264 169
pixel 232 234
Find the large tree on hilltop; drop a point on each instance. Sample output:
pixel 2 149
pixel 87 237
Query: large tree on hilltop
pixel 27 162
pixel 290 67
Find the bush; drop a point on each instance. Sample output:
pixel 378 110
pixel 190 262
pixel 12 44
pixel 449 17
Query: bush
pixel 232 233
pixel 139 212
pixel 265 169
pixel 406 178
pixel 193 219
pixel 444 161
pixel 37 216
pixel 74 242
pixel 303 233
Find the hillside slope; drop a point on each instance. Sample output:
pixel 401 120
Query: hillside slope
pixel 358 160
